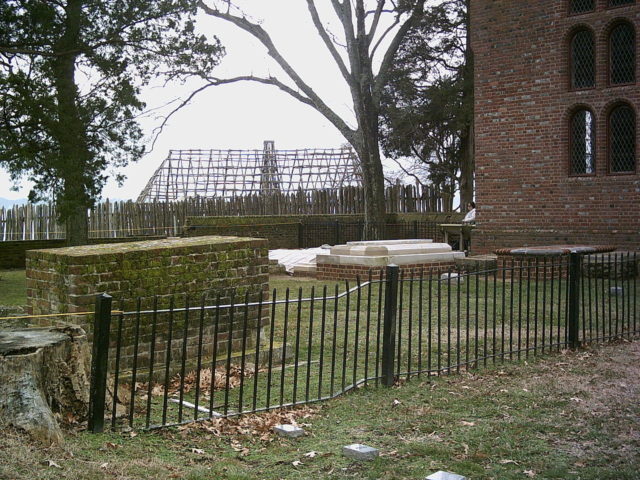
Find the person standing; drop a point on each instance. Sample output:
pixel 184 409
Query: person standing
pixel 470 217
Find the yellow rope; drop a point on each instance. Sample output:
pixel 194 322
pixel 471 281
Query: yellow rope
pixel 22 317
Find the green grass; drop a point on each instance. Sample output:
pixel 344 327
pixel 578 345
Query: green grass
pixel 532 419
pixel 446 336
pixel 570 417
pixel 13 288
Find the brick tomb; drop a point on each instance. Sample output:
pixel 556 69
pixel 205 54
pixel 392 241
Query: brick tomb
pixel 68 279
pixel 357 258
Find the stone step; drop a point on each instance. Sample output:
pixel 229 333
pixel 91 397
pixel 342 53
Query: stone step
pixel 477 263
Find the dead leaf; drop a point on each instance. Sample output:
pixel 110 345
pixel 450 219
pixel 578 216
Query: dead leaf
pixel 199 451
pixel 297 463
pixel 51 463
pixel 112 446
pixel 468 424
pixel 396 402
pixel 311 454
pixel 529 473
pixel 506 461
pixel 104 465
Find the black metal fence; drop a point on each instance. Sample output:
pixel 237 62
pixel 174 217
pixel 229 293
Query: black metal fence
pixel 312 347
pixel 314 234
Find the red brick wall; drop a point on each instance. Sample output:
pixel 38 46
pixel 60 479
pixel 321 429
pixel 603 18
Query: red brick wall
pixel 523 101
pixel 326 271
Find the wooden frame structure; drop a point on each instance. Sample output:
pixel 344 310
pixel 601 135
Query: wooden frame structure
pixel 235 173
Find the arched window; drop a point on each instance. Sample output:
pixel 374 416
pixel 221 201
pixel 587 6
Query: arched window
pixel 582 142
pixel 582 60
pixel 617 3
pixel 622 139
pixel 622 54
pixel 581 6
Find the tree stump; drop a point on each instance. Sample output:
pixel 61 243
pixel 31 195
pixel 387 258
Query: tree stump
pixel 44 374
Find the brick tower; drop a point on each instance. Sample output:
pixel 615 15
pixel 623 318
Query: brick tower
pixel 556 111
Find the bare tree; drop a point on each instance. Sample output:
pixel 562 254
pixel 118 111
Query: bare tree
pixel 372 32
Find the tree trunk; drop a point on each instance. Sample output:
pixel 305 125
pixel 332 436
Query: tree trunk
pixel 368 150
pixel 77 227
pixel 74 200
pixel 44 374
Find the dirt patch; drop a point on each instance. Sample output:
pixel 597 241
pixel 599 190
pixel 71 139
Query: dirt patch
pixel 602 389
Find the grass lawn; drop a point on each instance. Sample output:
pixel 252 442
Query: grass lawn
pixel 13 287
pixel 568 416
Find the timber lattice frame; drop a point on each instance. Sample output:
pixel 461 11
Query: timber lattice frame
pixel 234 173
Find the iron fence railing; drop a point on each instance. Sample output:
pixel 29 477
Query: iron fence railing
pixel 173 364
pixel 314 234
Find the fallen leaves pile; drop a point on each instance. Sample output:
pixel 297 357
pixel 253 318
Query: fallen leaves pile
pixel 259 426
pixel 218 382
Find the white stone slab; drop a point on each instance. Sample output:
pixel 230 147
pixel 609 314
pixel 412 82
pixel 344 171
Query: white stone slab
pixel 358 451
pixel 380 261
pixel 305 268
pixel 390 242
pixel 442 475
pixel 435 257
pixel 384 260
pixel 289 431
pixel 290 258
pixel 390 249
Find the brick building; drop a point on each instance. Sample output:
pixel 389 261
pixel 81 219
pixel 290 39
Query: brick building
pixel 557 102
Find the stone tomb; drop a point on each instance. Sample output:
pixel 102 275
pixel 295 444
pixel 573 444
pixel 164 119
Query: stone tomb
pixel 357 258
pixel 65 280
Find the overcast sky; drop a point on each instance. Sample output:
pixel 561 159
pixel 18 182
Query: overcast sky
pixel 242 115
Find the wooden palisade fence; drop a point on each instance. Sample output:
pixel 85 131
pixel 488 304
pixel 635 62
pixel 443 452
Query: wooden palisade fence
pixel 127 218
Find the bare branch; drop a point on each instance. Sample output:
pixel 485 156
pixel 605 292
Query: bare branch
pixel 376 19
pixel 343 11
pixel 158 130
pixel 345 15
pixel 265 81
pixel 383 36
pixel 263 37
pixel 328 41
pixel 407 172
pixel 10 49
pixel 389 55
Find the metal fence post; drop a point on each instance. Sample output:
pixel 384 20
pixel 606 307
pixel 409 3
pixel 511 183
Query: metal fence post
pixel 99 357
pixel 574 300
pixel 337 229
pixel 389 325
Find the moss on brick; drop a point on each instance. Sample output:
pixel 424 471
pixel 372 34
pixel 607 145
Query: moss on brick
pixel 68 279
